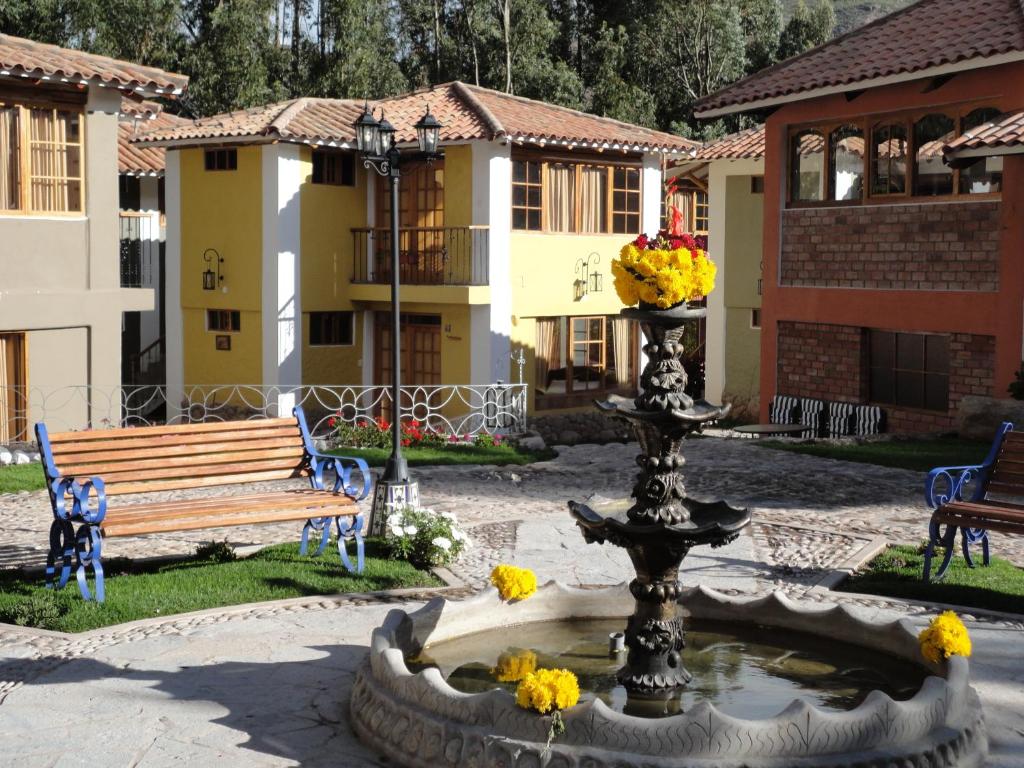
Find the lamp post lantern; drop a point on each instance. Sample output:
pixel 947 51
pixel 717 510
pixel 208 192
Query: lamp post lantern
pixel 375 140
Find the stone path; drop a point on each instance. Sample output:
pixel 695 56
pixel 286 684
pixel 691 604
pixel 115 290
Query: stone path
pixel 267 684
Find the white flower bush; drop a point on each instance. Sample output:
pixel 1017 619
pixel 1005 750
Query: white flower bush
pixel 424 537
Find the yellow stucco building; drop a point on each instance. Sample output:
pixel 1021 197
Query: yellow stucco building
pixel 278 246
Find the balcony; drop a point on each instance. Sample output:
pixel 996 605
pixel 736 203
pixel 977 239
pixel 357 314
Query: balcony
pixel 141 249
pixel 456 256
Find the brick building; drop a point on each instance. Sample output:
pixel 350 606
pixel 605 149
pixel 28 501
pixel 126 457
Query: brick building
pixel 892 231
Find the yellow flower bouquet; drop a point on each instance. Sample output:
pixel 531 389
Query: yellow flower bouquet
pixel 514 583
pixel 549 690
pixel 663 271
pixel 945 636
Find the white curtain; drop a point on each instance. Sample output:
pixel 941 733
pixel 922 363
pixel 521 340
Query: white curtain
pixel 621 331
pixel 546 354
pixel 5 393
pixel 561 198
pixel 9 160
pixel 593 199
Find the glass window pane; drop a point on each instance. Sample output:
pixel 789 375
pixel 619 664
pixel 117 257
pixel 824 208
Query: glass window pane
pixel 910 389
pixel 633 203
pixel 579 329
pixel 10 181
pixel 846 163
pixel 519 218
pixel 518 171
pixel 806 166
pixel 533 220
pixel 888 160
pixel 937 354
pixel 936 392
pixel 882 385
pixel 533 197
pixel 533 172
pixel 618 201
pixel 910 351
pixel 519 195
pixel 931 175
pixel 984 175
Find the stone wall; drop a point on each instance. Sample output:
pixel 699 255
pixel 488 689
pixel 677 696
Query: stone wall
pixel 829 362
pixel 936 247
pixel 580 427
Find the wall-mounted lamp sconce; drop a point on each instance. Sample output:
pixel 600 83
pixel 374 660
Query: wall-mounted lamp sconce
pixel 588 280
pixel 212 279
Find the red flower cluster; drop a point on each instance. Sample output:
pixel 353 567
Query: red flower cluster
pixel 666 241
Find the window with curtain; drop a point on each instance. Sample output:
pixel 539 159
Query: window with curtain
pixel 578 358
pixel 888 159
pixel 931 175
pixel 700 212
pixel 846 163
pixel 45 143
pixel 560 200
pixel 593 199
pixel 807 166
pixel 984 175
pixel 13 380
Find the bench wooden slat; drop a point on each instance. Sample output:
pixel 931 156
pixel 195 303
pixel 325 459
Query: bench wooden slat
pixel 120 489
pixel 208 449
pixel 291 434
pixel 172 429
pixel 145 466
pixel 194 524
pixel 217 501
pixel 987 523
pixel 978 511
pixel 112 479
pixel 309 502
pixel 1010 489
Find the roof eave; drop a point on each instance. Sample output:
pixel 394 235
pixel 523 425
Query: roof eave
pixel 965 65
pixel 136 88
pixel 205 140
pixel 973 153
pixel 612 146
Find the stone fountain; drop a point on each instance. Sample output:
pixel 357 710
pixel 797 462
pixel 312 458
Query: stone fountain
pixel 663 524
pixel 420 720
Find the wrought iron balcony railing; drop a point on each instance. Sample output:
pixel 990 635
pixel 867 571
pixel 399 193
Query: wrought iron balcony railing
pixel 427 255
pixel 141 241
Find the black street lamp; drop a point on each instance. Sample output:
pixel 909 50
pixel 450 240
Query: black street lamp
pixel 376 143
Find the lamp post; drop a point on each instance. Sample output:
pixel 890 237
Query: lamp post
pixel 375 141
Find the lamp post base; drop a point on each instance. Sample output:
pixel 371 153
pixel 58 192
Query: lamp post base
pixel 387 495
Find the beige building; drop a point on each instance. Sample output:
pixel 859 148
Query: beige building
pixel 61 298
pixel 731 172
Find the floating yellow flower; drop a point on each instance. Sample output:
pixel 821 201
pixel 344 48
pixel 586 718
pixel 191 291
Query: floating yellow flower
pixel 548 689
pixel 513 667
pixel 514 583
pixel 663 272
pixel 946 636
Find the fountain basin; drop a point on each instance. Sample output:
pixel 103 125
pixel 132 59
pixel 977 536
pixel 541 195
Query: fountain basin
pixel 420 720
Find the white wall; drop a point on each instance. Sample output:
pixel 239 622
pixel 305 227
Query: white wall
pixel 174 344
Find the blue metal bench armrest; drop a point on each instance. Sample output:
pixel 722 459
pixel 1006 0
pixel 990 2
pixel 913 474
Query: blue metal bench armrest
pixel 64 490
pixel 946 484
pixel 342 467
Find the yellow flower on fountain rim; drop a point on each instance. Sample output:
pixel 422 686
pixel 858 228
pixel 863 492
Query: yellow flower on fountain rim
pixel 548 689
pixel 945 636
pixel 513 667
pixel 514 583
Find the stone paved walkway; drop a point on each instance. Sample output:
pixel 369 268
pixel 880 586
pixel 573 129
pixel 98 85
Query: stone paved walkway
pixel 267 684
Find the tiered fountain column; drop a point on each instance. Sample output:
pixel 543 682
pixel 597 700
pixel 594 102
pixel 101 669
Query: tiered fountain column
pixel 662 524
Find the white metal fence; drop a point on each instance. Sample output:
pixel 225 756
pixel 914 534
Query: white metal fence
pixel 451 408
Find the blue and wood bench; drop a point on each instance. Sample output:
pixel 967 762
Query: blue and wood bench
pixel 994 501
pixel 84 468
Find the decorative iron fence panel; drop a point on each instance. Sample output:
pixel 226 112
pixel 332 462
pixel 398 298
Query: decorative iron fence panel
pixel 426 255
pixel 459 409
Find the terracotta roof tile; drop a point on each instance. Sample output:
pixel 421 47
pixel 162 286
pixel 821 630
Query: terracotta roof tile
pixel 140 159
pixel 19 56
pixel 930 33
pixel 465 111
pixel 745 145
pixel 1003 132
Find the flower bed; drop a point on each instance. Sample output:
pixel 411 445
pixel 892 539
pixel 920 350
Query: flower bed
pixel 424 537
pixel 415 434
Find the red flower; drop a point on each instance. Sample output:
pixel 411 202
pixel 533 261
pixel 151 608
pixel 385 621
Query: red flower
pixel 407 442
pixel 641 242
pixel 331 422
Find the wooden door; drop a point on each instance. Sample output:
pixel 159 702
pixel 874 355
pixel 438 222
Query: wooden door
pixel 420 351
pixel 13 387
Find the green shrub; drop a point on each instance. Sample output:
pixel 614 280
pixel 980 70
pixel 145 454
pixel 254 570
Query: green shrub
pixel 42 609
pixel 424 537
pixel 216 551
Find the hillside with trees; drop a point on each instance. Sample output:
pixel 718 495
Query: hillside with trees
pixel 643 61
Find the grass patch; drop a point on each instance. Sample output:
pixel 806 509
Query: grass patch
pixel 139 591
pixel 423 456
pixel 918 455
pixel 21 477
pixel 898 572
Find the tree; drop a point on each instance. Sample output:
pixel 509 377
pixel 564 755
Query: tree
pixel 762 28
pixel 611 94
pixel 807 28
pixel 67 23
pixel 146 31
pixel 359 53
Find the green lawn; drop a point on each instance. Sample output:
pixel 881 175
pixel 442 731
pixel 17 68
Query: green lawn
pixel 897 572
pixel 21 477
pixel 160 590
pixel 422 456
pixel 919 455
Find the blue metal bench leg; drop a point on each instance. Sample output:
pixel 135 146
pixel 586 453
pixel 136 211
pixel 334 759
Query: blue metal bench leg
pixel 984 548
pixel 936 538
pixel 62 547
pixel 89 549
pixel 965 546
pixel 322 525
pixel 353 528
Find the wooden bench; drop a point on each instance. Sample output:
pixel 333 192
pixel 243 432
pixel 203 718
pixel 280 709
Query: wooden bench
pixel 995 501
pixel 83 469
